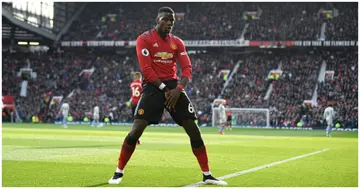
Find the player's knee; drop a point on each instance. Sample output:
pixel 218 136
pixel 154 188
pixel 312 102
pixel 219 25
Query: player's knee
pixel 197 143
pixel 192 130
pixel 187 122
pixel 130 139
pixel 138 128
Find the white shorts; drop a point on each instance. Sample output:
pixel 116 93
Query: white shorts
pixel 329 122
pixel 222 121
pixel 96 116
pixel 65 115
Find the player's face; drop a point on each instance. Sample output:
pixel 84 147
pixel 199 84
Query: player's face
pixel 136 78
pixel 166 22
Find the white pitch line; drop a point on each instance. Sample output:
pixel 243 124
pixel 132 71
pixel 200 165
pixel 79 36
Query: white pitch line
pixel 260 167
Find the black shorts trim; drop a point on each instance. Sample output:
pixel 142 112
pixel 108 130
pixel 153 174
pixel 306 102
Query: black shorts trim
pixel 133 108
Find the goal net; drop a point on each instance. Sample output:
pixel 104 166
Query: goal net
pixel 242 116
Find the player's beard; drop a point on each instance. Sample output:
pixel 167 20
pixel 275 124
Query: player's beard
pixel 167 30
pixel 162 31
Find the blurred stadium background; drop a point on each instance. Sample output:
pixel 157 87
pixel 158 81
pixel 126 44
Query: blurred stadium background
pixel 290 58
pixel 246 53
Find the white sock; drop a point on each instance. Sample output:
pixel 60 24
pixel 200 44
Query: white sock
pixel 207 173
pixel 119 170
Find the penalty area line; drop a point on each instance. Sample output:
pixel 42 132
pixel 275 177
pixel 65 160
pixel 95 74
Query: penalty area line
pixel 260 167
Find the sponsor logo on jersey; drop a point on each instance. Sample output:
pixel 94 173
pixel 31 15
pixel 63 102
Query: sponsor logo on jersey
pixel 164 55
pixel 163 61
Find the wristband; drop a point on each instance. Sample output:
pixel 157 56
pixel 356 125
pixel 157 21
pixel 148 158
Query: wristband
pixel 180 86
pixel 162 86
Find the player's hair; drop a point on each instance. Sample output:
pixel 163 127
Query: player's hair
pixel 331 103
pixel 137 74
pixel 166 10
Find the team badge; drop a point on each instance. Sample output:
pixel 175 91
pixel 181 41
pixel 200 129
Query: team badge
pixel 173 46
pixel 141 112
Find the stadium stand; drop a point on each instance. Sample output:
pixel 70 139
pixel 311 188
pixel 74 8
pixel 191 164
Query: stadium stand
pixel 58 74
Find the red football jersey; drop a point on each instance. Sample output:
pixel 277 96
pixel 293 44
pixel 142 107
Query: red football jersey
pixel 157 56
pixel 136 90
pixel 229 113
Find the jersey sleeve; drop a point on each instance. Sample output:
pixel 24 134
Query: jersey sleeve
pixel 144 58
pixel 184 60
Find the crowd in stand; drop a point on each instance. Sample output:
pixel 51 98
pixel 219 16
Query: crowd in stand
pixel 295 21
pixel 214 21
pixel 296 84
pixel 58 75
pixel 108 85
pixel 337 29
pixel 125 21
pixel 341 87
pixel 249 85
pixel 303 21
pixel 207 82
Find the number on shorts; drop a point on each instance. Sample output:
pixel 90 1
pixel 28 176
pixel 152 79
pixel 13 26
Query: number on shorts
pixel 135 91
pixel 190 108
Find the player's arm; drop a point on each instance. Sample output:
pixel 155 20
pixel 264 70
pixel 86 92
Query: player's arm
pixel 128 103
pixel 144 58
pixel 186 69
pixel 185 64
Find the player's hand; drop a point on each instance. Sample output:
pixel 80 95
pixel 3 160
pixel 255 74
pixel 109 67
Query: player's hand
pixel 166 90
pixel 172 97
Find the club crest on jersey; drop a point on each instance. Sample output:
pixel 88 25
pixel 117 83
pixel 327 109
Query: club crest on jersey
pixel 173 46
pixel 164 55
pixel 141 112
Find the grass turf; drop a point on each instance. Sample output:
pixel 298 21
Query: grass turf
pixel 45 155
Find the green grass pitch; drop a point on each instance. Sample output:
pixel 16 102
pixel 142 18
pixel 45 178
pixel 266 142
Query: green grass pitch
pixel 43 155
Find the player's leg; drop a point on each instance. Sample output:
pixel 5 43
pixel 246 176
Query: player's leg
pixel 98 122
pixel 93 122
pixel 222 126
pixel 185 116
pixel 148 111
pixel 229 120
pixel 64 121
pixel 133 108
pixel 128 148
pixel 329 126
pixel 97 119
